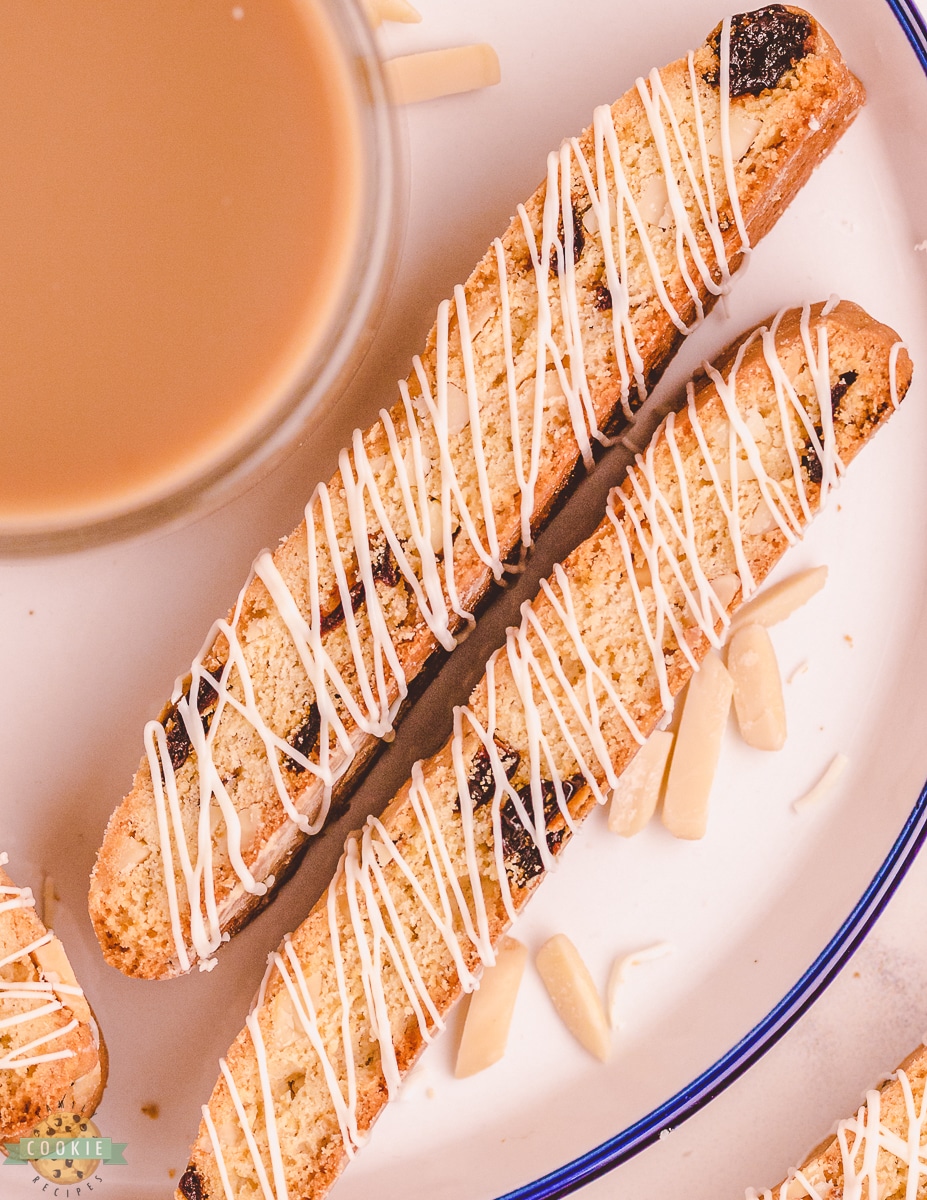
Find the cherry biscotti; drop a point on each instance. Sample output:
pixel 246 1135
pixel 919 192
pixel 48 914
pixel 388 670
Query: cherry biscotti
pixel 879 1152
pixel 549 347
pixel 52 1058
pixel 425 892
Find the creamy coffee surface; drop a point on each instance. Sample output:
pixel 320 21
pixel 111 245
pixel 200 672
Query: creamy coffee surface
pixel 178 207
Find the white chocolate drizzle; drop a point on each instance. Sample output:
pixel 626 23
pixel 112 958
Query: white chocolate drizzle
pixel 451 898
pixel 44 993
pixel 862 1139
pixel 436 511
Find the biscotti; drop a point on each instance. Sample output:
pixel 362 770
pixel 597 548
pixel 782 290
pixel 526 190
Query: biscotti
pixel 549 347
pixel 52 1058
pixel 880 1151
pixel 424 893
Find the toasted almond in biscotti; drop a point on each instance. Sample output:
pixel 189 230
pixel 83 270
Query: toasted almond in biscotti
pixel 554 340
pixel 424 893
pixel 52 1057
pixel 880 1151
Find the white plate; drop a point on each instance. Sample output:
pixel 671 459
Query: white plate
pixel 90 645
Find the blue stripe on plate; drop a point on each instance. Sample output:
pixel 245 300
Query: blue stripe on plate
pixel 829 962
pixel 915 27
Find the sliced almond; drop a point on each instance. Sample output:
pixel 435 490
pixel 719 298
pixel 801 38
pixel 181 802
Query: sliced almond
pixel 412 78
pixel 129 853
pixel 489 1013
pixel 653 199
pixel 726 587
pixel 574 994
pixel 480 308
pixel 56 968
pixel 635 799
pixel 458 409
pixel 436 525
pixel 762 521
pixel 758 703
pixel 249 819
pixel 408 462
pixel 378 464
pixel 698 744
pixel 743 130
pixel 54 964
pixel 722 466
pixel 780 601
pixel 591 222
pixel 287 1026
pixel 553 388
pixel 314 987
pixel 230 1131
pixel 759 430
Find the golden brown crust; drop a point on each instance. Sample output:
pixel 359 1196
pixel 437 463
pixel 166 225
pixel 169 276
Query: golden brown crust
pixel 312 1146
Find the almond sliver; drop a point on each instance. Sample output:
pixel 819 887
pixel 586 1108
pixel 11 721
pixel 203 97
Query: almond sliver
pixel 412 78
pixel 698 744
pixel 489 1014
pixel 758 703
pixel 780 601
pixel 635 799
pixel 392 10
pixel 574 994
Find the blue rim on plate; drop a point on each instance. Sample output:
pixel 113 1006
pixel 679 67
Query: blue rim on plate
pixel 826 966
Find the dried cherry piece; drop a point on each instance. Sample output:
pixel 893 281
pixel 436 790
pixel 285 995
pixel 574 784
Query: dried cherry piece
pixel 521 855
pixel 385 570
pixel 305 739
pixel 601 298
pixel 331 620
pixel 178 740
pixel 814 468
pixel 178 743
pixel 764 45
pixel 579 238
pixel 579 235
pixel 190 1184
pixel 480 779
pixel 207 693
pixel 384 565
pixel 839 390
